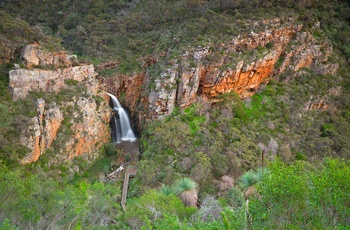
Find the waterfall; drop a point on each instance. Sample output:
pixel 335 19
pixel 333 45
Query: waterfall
pixel 123 131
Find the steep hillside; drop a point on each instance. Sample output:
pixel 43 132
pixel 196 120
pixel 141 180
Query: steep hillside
pixel 51 103
pixel 238 105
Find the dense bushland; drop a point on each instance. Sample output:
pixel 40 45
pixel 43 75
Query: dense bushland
pixel 298 195
pixel 208 141
pixel 203 142
pixel 128 31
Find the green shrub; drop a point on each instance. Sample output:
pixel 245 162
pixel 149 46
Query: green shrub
pixel 300 156
pixel 234 198
pixel 71 82
pixel 152 206
pixel 303 196
pixel 110 150
pixel 6 225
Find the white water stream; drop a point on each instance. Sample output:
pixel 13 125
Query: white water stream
pixel 123 130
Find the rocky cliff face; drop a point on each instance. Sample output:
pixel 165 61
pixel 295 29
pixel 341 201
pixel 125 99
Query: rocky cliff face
pixel 322 102
pixel 33 55
pixel 23 81
pixel 79 132
pixel 242 65
pixel 76 126
pixel 239 65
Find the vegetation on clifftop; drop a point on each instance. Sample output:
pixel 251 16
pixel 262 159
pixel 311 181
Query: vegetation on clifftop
pixel 307 151
pixel 129 31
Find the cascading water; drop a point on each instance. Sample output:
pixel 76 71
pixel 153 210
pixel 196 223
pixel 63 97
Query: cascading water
pixel 123 131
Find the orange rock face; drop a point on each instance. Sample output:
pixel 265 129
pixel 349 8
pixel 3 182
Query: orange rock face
pixel 243 80
pixel 87 132
pixel 240 65
pixel 86 126
pixel 246 76
pixel 91 131
pixel 128 89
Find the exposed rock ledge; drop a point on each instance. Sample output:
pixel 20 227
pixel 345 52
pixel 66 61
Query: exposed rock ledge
pixel 78 127
pixel 241 65
pixel 23 81
pixel 32 55
pixel 87 131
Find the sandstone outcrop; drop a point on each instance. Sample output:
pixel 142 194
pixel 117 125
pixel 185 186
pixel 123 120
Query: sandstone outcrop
pixel 42 131
pixel 23 81
pixel 33 55
pixel 322 102
pixel 90 129
pixel 307 52
pixel 78 133
pixel 242 65
pixel 78 126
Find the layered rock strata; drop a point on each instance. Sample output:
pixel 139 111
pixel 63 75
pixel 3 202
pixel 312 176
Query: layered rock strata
pixel 32 55
pixel 23 81
pixel 80 133
pixel 77 127
pixel 240 65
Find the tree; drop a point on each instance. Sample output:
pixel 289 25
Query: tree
pixel 153 206
pixel 186 188
pixel 248 181
pixel 301 196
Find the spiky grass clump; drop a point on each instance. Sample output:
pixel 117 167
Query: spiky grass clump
pixel 259 174
pixel 251 178
pixel 247 180
pixel 166 190
pixel 184 184
pixel 187 191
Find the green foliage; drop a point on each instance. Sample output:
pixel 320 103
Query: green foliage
pixel 168 222
pixel 247 180
pixel 6 225
pixel 152 206
pixel 234 198
pixel 192 119
pixel 110 149
pixel 71 82
pixel 6 120
pixel 300 156
pixel 18 31
pixel 202 168
pixel 231 219
pixel 203 142
pixel 269 45
pixel 166 190
pixel 303 196
pixel 128 31
pixel 184 184
pixel 212 152
pixel 26 199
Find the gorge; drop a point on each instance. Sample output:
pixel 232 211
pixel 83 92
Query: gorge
pixel 214 71
pixel 228 114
